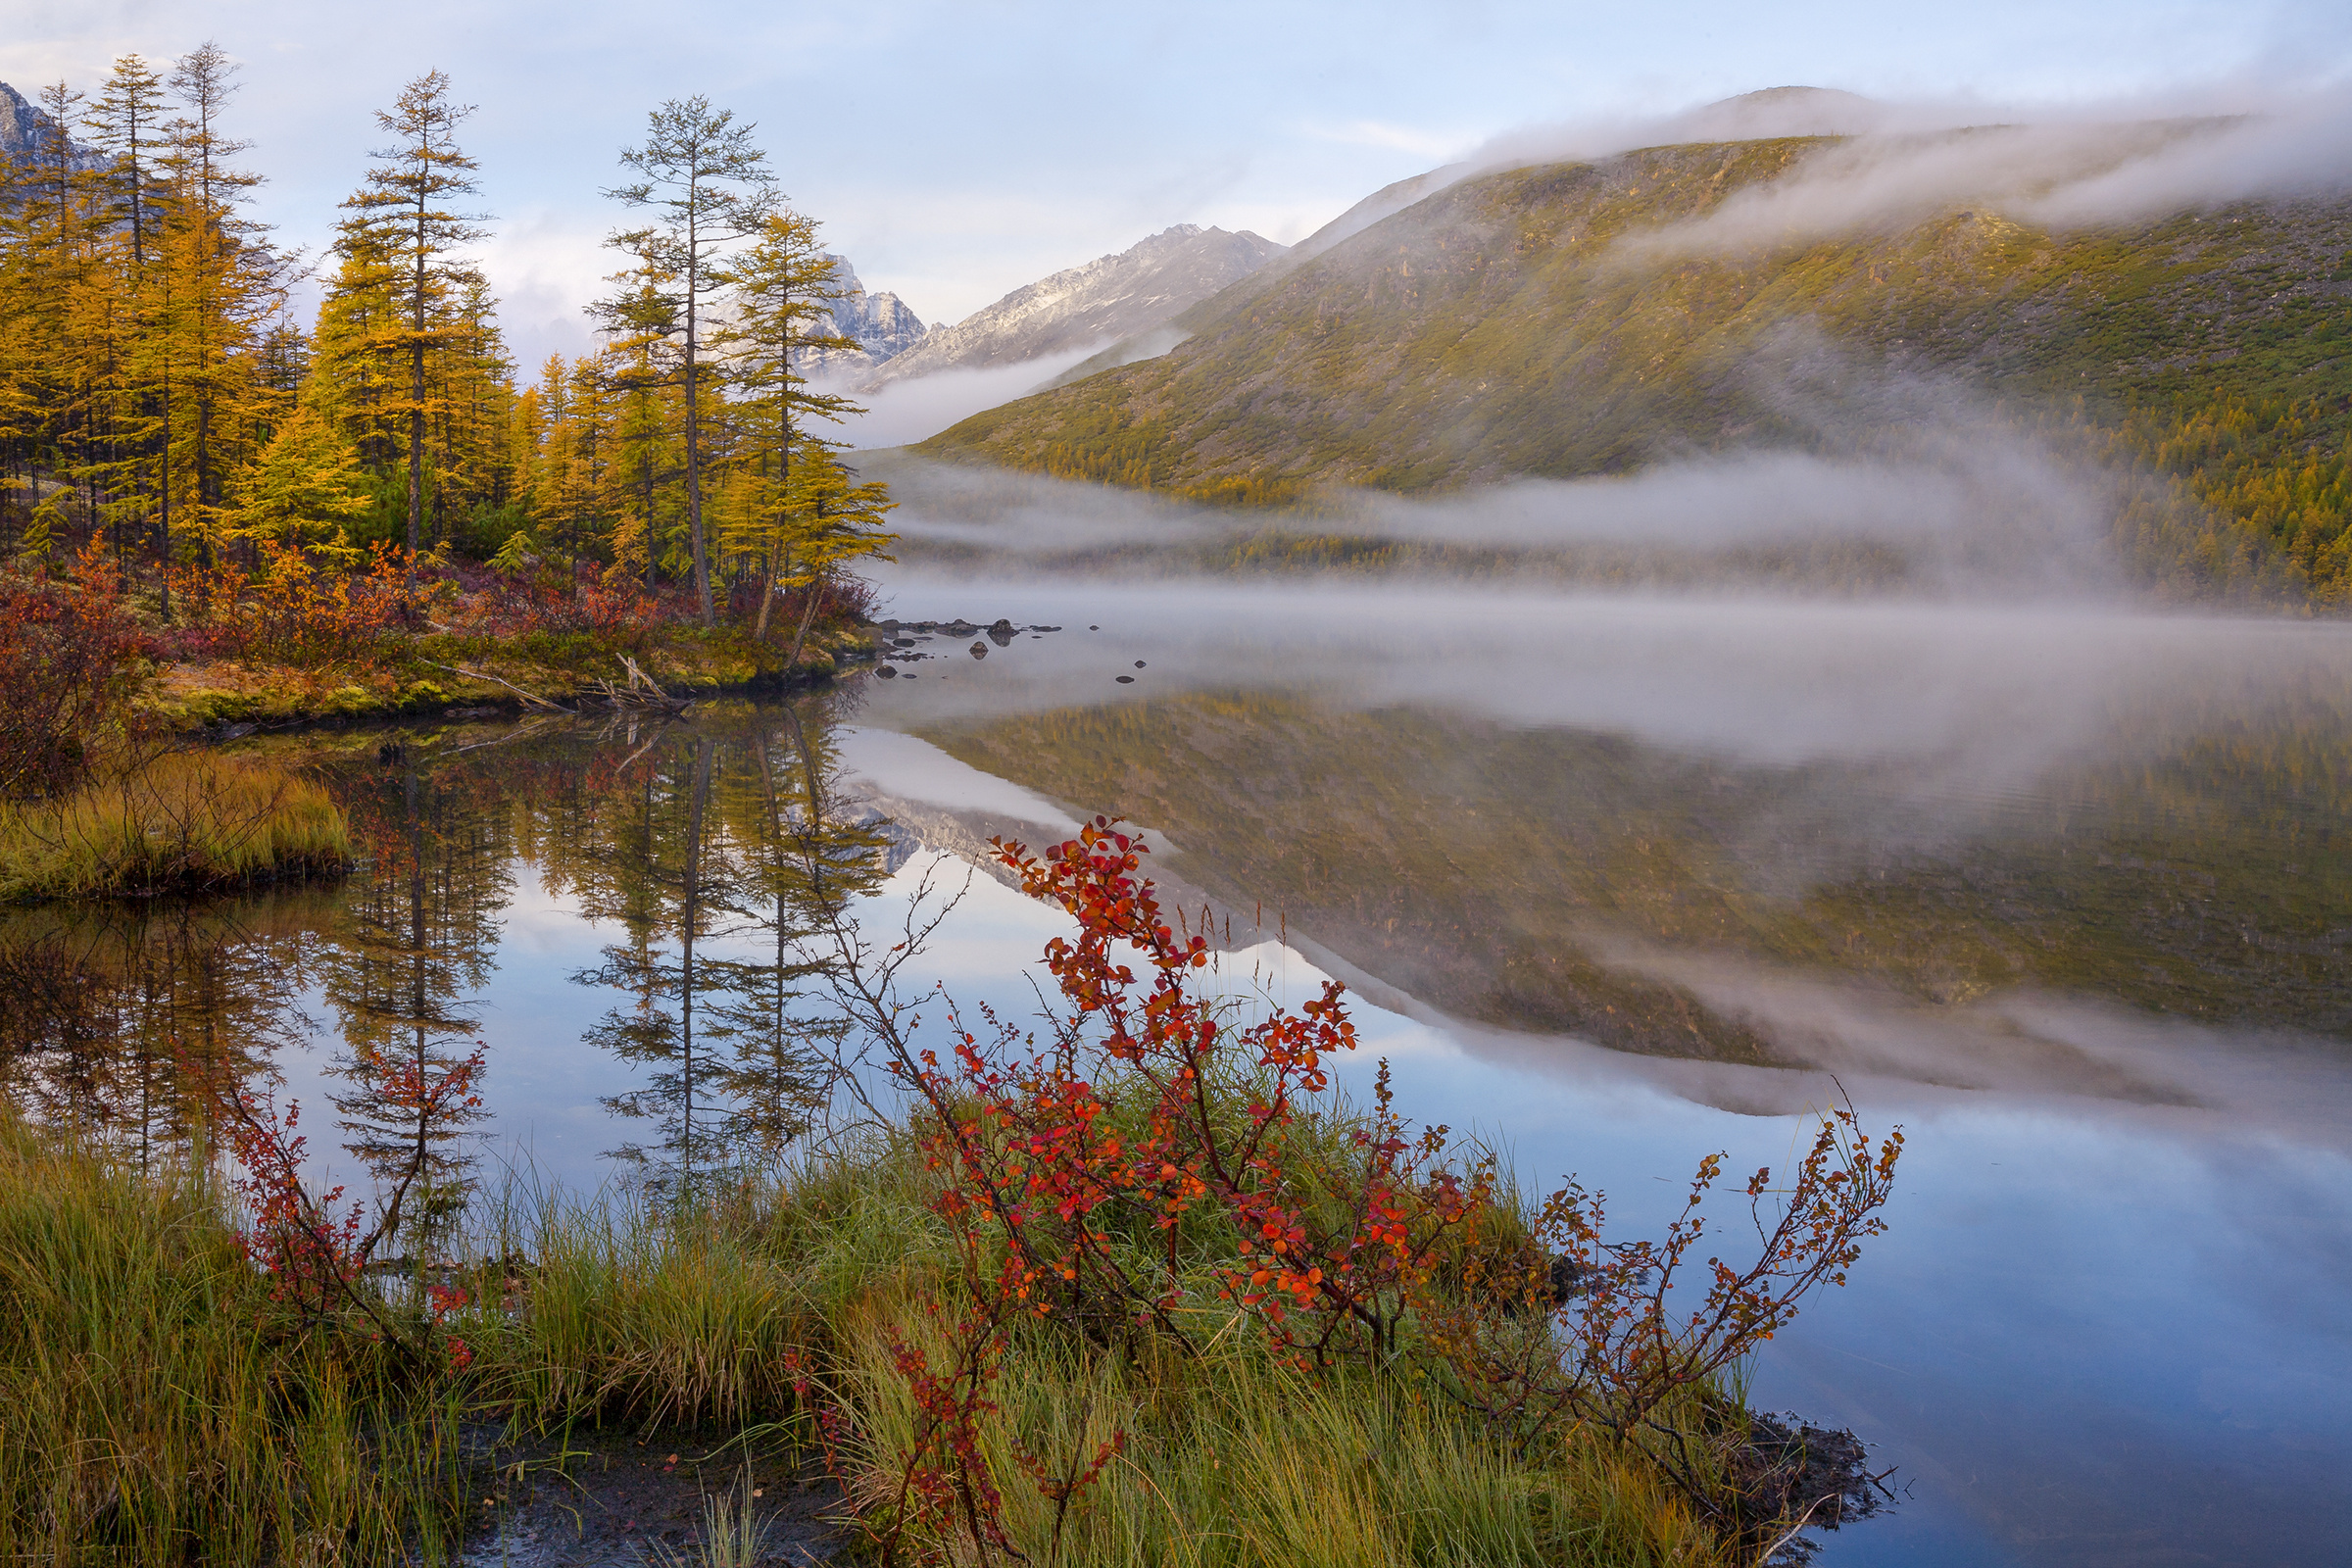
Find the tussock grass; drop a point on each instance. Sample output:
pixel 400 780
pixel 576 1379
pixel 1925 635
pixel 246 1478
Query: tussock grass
pixel 157 1407
pixel 186 819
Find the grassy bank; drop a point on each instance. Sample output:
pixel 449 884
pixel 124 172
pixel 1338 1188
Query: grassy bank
pixel 156 1407
pixel 179 821
pixel 158 1403
pixel 425 675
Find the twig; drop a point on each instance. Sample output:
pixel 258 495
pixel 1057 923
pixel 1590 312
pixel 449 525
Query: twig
pixel 532 697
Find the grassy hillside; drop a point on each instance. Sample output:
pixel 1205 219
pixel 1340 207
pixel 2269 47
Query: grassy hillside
pixel 1503 328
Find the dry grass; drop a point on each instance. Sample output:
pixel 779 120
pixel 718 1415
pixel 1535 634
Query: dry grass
pixel 157 1407
pixel 181 820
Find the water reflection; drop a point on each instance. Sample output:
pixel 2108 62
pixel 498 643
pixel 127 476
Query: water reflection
pixel 2106 991
pixel 700 857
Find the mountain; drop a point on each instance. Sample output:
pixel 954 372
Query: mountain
pixel 881 324
pixel 1595 317
pixel 1110 298
pixel 25 132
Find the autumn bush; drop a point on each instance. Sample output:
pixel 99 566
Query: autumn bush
pixel 291 608
pixel 68 655
pixel 1159 1178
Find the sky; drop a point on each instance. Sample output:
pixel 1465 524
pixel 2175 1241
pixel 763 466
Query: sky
pixel 956 151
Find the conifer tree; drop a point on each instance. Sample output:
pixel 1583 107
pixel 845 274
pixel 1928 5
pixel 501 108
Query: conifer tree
pixel 404 224
pixel 779 292
pixel 708 188
pixel 216 288
pixel 127 122
pixel 304 486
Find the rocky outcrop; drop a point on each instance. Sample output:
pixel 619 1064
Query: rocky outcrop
pixel 881 324
pixel 1110 298
pixel 25 129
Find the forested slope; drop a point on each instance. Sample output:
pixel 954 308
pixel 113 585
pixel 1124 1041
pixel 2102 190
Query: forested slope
pixel 1532 322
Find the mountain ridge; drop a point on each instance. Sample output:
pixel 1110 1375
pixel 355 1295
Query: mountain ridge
pixel 1510 324
pixel 1113 297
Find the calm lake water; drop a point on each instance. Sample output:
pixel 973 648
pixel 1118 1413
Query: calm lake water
pixel 1619 882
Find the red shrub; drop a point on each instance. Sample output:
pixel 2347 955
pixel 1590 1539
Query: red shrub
pixel 67 656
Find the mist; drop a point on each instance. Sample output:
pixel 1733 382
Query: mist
pixel 1906 485
pixel 2115 160
pixel 901 412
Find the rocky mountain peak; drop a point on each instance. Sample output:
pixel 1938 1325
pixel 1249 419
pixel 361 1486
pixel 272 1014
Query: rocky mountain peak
pixel 1103 300
pixel 881 324
pixel 25 129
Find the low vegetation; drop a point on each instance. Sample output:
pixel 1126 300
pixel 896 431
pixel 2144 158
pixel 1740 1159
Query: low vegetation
pixel 1138 1289
pixel 179 821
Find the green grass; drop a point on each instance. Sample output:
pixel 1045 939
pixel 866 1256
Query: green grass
pixel 181 820
pixel 157 1407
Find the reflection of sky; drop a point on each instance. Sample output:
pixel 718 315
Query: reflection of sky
pixel 2094 1334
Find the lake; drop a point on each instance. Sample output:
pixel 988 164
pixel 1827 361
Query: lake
pixel 1618 881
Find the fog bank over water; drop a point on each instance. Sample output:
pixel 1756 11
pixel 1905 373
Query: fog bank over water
pixel 1897 485
pixel 1992 692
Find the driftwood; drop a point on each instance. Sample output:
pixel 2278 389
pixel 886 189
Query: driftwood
pixel 532 697
pixel 642 691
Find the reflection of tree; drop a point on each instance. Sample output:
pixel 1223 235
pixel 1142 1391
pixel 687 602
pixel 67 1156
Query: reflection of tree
pixel 706 851
pixel 422 931
pixel 801 859
pixel 119 1022
pixel 655 901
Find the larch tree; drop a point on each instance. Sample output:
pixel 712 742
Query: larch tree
pixel 125 122
pixel 780 291
pixel 219 286
pixel 404 219
pixel 705 188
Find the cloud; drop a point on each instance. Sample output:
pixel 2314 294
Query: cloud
pixel 2122 160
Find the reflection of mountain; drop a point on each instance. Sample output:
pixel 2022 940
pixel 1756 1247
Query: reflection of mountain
pixel 1557 880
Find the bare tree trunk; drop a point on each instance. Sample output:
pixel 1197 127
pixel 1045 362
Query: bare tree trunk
pixel 817 589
